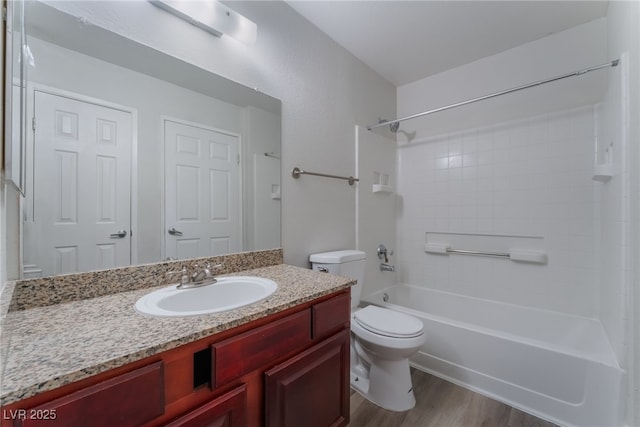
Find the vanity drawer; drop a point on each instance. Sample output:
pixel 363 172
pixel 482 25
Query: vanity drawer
pixel 244 353
pixel 130 399
pixel 331 315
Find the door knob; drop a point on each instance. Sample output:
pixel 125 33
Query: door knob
pixel 120 234
pixel 175 232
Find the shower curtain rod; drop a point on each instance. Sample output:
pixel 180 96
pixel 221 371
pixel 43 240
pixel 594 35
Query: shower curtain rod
pixel 493 95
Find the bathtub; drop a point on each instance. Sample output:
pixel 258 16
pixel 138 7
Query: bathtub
pixel 555 366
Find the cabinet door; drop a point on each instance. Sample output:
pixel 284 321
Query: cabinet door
pixel 311 389
pixel 227 410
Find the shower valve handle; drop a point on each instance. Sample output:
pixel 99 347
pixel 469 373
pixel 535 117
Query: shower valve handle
pixel 383 253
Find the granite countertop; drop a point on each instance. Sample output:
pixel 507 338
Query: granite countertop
pixel 46 347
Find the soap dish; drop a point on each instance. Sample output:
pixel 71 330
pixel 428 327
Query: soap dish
pixel 380 188
pixel 603 173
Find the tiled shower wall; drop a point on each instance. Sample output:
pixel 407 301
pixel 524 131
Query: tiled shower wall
pixel 527 177
pixel 615 222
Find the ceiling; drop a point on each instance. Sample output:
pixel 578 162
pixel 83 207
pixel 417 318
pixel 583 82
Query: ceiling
pixel 405 41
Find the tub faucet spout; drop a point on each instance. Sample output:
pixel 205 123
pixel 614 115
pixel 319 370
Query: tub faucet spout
pixel 387 267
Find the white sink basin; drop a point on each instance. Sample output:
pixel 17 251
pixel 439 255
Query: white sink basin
pixel 226 294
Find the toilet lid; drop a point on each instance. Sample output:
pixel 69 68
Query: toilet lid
pixel 389 323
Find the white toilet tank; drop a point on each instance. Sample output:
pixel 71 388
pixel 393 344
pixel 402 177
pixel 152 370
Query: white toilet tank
pixel 349 263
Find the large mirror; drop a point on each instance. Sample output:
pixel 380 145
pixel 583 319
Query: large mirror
pixel 134 156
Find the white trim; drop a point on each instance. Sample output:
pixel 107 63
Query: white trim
pixel 165 117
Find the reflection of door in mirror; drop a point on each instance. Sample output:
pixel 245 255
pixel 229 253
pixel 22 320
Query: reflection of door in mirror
pixel 202 191
pixel 82 179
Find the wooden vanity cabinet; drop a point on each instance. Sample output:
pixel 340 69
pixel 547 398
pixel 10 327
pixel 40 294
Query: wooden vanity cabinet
pixel 288 369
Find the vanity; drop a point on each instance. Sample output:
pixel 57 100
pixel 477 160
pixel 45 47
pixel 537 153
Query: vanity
pixel 283 361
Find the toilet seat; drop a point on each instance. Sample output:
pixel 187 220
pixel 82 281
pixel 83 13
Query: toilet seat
pixel 388 323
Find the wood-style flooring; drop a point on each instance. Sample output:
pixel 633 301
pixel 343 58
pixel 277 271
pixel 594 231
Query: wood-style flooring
pixel 442 404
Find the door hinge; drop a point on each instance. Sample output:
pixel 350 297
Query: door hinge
pixel 4 14
pixel 33 123
pixel 238 160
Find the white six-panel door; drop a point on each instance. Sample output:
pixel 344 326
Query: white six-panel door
pixel 82 186
pixel 202 191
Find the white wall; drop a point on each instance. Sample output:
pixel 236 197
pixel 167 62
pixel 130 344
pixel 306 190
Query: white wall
pixel 633 322
pixel 324 91
pixel 561 53
pixel 620 218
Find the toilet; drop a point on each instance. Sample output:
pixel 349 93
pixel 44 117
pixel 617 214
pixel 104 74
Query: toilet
pixel 382 340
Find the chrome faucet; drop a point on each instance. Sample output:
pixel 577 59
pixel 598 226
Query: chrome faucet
pixel 387 267
pixel 184 275
pixel 200 277
pixel 382 253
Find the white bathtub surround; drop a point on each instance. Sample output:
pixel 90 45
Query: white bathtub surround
pixel 556 366
pixel 614 224
pixel 530 177
pixel 524 178
pixel 375 210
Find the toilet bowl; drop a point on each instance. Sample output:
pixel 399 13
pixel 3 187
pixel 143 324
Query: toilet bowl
pixel 382 340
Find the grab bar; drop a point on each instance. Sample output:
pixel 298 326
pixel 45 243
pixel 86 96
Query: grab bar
pixel 520 255
pixel 296 172
pixel 479 253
